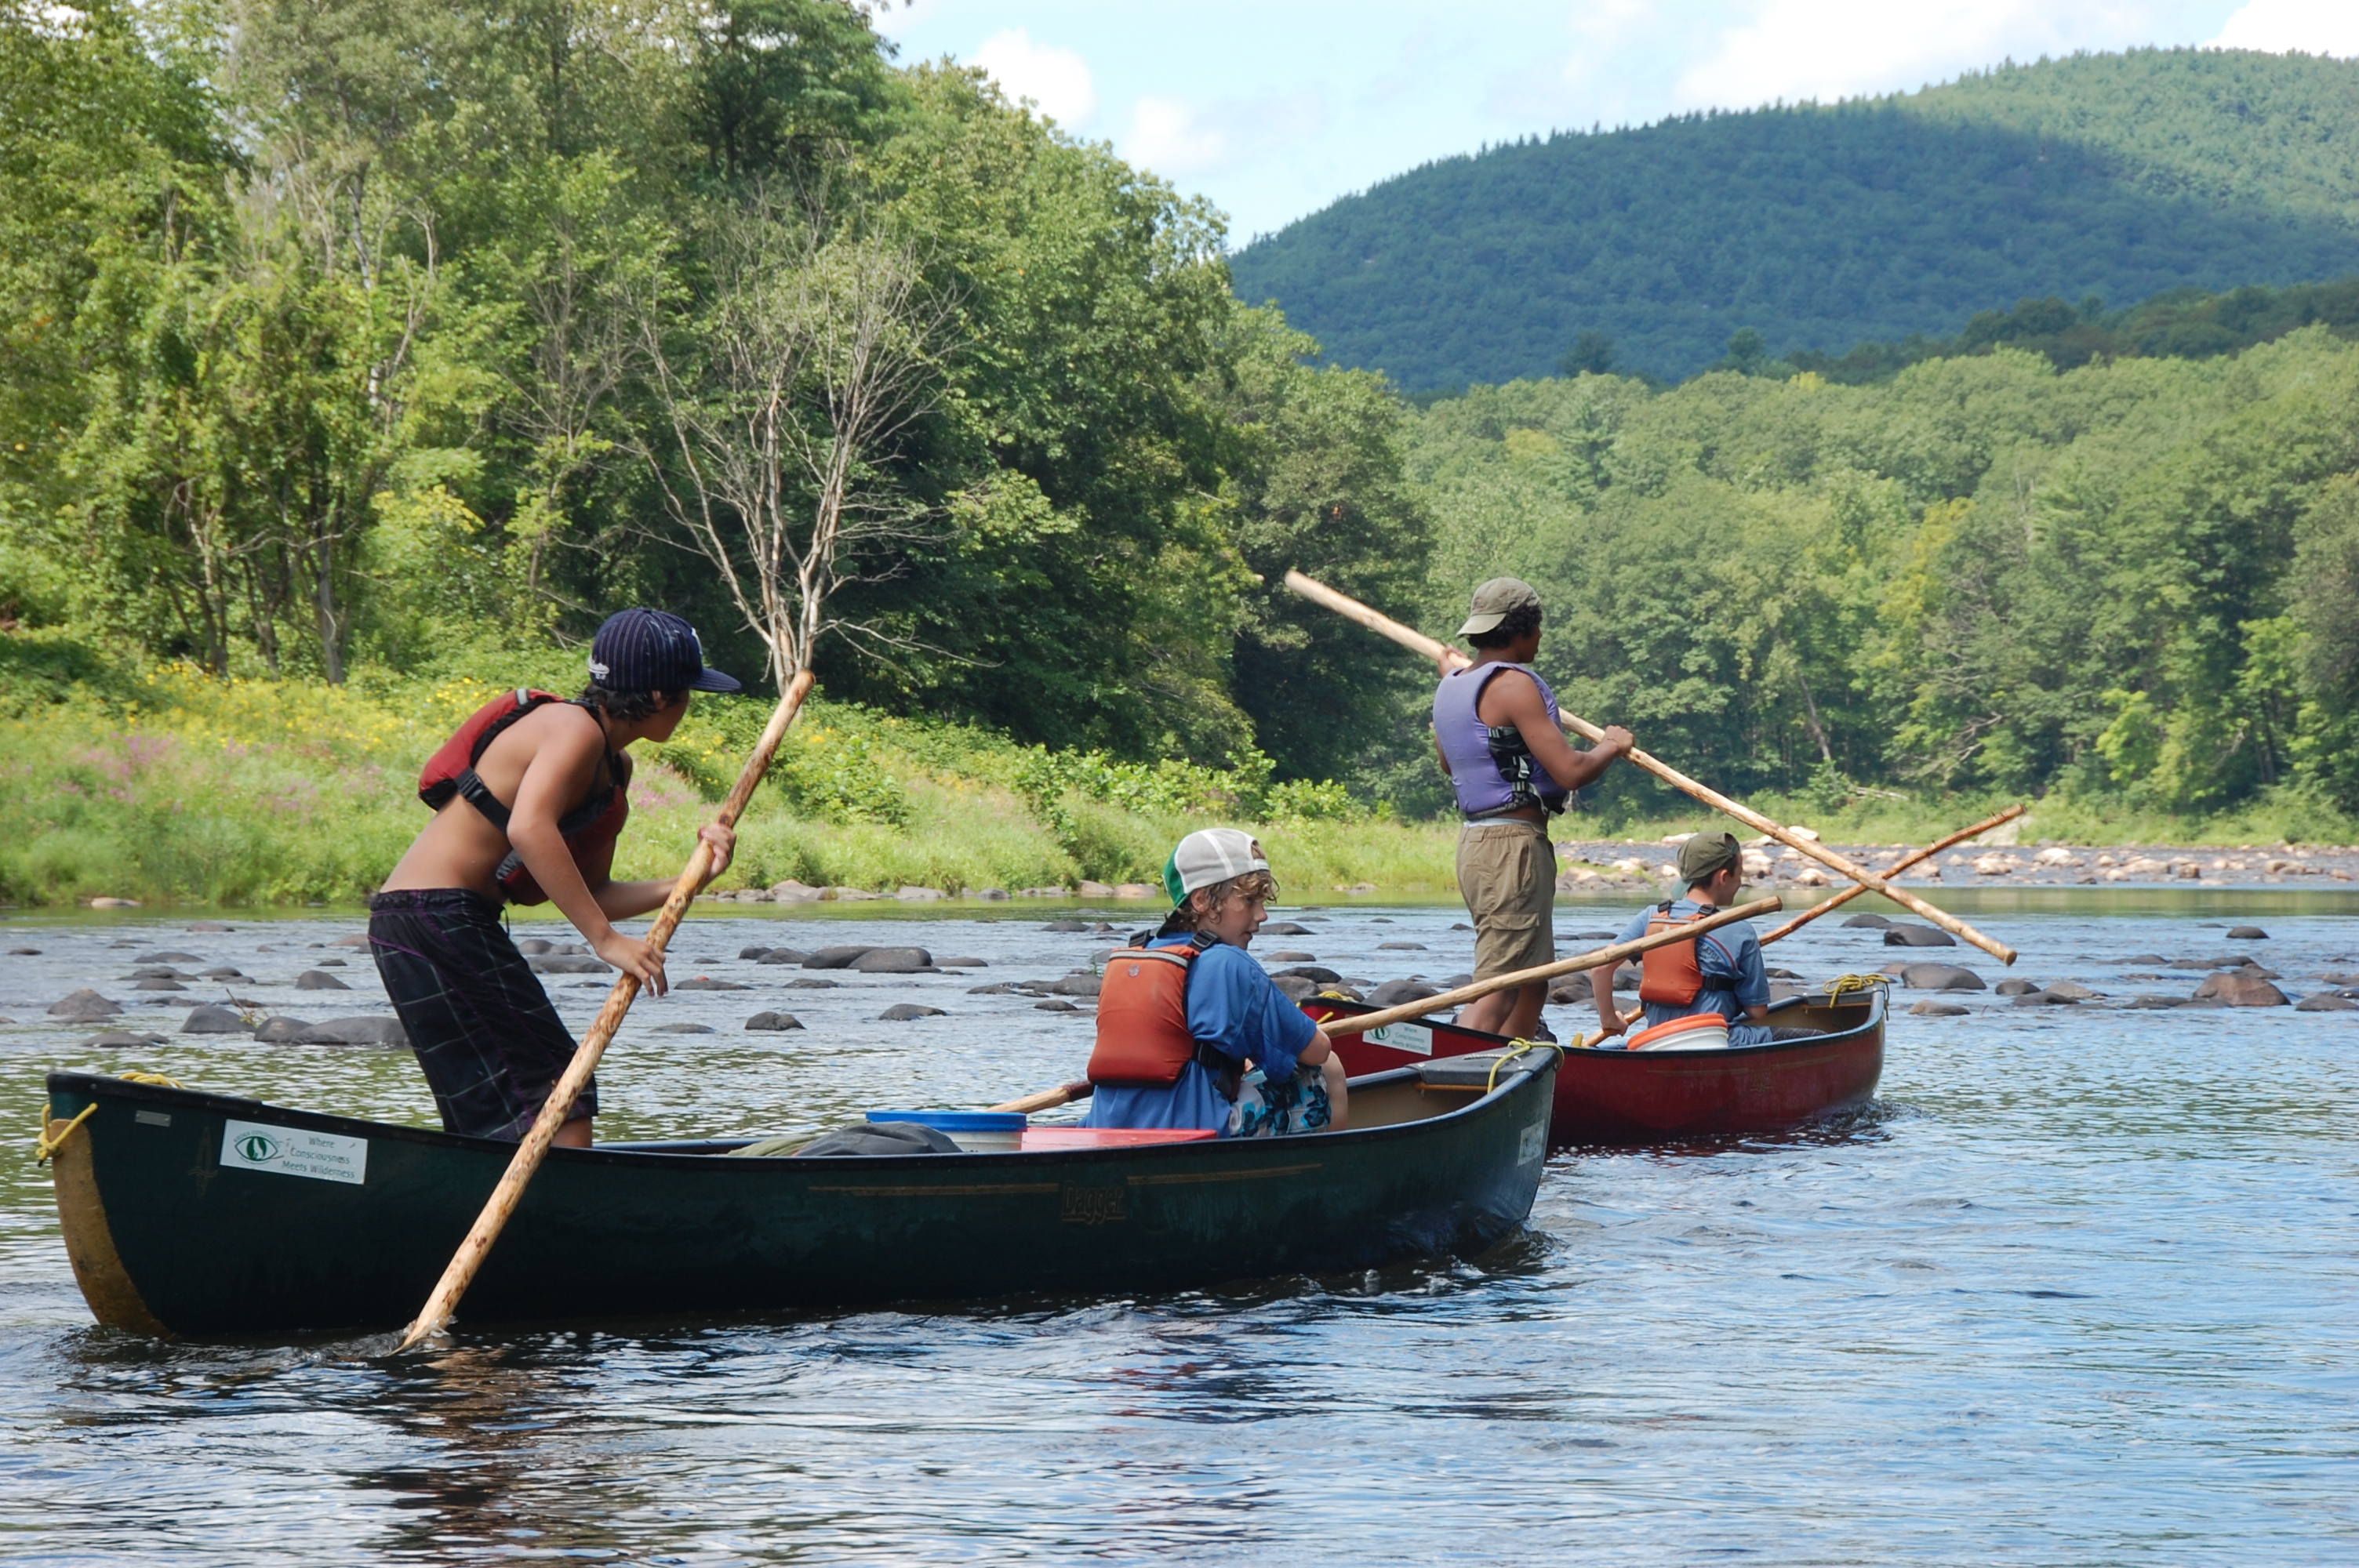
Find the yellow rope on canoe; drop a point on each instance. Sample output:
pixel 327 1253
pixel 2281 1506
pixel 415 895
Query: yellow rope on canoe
pixel 45 1146
pixel 1844 985
pixel 1517 1048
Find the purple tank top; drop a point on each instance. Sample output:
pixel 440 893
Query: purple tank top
pixel 1492 770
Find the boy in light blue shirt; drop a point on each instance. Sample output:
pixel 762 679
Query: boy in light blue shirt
pixel 1735 981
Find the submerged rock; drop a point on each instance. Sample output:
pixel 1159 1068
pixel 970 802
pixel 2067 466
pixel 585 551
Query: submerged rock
pixel 773 1021
pixel 2326 1001
pixel 1318 973
pixel 554 964
pixel 902 1011
pixel 1054 1004
pixel 362 1031
pixel 1905 933
pixel 779 956
pixel 281 1030
pixel 706 983
pixel 1930 1009
pixel 2016 988
pixel 683 1029
pixel 321 980
pixel 833 958
pixel 893 961
pixel 1941 977
pixel 2235 988
pixel 84 1003
pixel 1289 956
pixel 117 1040
pixel 1392 993
pixel 215 1021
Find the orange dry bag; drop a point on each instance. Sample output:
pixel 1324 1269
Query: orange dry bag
pixel 1143 1039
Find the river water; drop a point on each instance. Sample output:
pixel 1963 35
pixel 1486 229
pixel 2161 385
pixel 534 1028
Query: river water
pixel 2079 1289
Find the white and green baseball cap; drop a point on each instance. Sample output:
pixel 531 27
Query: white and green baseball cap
pixel 1211 855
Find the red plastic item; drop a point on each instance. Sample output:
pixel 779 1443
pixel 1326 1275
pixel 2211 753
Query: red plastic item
pixel 1039 1139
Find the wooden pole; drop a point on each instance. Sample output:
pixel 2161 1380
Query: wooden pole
pixel 1918 858
pixel 1049 1099
pixel 436 1314
pixel 1590 960
pixel 1407 637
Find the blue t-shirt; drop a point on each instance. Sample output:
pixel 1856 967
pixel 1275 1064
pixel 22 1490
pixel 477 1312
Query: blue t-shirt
pixel 1731 953
pixel 1233 1006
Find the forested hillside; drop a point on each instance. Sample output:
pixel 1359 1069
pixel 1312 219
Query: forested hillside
pixel 2110 177
pixel 340 335
pixel 2129 585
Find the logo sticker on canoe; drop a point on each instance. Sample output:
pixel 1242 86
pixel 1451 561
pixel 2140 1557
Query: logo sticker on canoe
pixel 1533 1145
pixel 1417 1039
pixel 292 1152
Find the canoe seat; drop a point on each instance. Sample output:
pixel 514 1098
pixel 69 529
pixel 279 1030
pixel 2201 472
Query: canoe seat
pixel 1038 1138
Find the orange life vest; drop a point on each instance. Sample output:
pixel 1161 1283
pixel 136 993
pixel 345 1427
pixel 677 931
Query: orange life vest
pixel 1143 1039
pixel 1672 975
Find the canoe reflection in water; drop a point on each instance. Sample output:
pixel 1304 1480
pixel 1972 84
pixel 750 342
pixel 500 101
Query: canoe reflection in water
pixel 198 1214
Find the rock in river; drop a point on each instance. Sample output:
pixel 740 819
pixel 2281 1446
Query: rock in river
pixel 893 961
pixel 2326 1001
pixel 774 1021
pixel 2240 990
pixel 84 1003
pixel 902 1011
pixel 1940 977
pixel 833 958
pixel 1905 934
pixel 2247 934
pixel 1930 1009
pixel 215 1021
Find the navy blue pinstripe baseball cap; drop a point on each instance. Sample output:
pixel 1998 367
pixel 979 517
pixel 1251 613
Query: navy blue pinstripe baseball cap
pixel 652 650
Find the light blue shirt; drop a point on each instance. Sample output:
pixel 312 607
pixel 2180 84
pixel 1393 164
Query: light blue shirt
pixel 1233 1006
pixel 1731 953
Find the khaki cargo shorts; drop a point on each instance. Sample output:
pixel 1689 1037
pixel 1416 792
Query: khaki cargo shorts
pixel 1506 874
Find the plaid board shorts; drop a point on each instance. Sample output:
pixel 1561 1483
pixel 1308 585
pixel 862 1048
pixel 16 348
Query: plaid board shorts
pixel 486 1035
pixel 1265 1109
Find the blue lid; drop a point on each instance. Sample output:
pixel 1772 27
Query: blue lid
pixel 959 1121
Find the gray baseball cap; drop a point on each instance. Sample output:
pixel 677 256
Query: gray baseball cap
pixel 1493 602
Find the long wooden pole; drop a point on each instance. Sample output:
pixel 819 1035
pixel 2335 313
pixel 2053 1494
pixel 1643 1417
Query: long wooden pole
pixel 1894 870
pixel 1538 972
pixel 1407 637
pixel 436 1314
pixel 1065 1094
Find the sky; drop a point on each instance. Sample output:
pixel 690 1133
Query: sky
pixel 1274 108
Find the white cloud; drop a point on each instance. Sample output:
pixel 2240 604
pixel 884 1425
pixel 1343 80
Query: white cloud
pixel 1172 138
pixel 1834 49
pixel 1057 80
pixel 2313 27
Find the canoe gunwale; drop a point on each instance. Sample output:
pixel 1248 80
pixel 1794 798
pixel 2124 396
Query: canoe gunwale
pixel 637 1153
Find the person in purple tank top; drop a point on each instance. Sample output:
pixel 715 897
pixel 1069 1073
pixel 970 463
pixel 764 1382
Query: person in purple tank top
pixel 1496 729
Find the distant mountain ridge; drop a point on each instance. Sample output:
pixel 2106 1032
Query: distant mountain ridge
pixel 2117 177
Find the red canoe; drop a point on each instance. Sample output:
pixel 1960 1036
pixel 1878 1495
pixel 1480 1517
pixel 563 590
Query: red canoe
pixel 1651 1097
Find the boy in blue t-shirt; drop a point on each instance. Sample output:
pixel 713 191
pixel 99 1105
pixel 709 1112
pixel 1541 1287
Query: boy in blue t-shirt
pixel 1736 983
pixel 1284 1076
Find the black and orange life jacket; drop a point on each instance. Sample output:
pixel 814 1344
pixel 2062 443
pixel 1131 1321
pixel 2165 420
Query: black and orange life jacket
pixel 1672 975
pixel 1143 1038
pixel 590 829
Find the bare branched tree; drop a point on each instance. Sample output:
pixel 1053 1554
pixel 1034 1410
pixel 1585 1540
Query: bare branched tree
pixel 783 394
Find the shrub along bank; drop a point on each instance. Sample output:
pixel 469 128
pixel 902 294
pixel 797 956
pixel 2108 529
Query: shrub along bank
pixel 160 782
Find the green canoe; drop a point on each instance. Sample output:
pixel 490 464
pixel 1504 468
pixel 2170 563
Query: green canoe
pixel 198 1214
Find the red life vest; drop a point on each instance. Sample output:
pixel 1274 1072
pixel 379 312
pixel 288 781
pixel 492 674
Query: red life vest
pixel 1143 1038
pixel 1672 975
pixel 590 829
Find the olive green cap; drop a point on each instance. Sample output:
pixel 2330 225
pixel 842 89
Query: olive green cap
pixel 1493 600
pixel 1705 853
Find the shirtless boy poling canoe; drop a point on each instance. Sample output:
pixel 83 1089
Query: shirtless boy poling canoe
pixel 529 800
